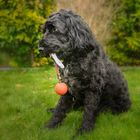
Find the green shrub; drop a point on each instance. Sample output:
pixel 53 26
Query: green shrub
pixel 125 43
pixel 19 27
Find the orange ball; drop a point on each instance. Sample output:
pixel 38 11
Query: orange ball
pixel 61 88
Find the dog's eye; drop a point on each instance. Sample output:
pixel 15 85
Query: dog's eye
pixel 55 30
pixel 52 28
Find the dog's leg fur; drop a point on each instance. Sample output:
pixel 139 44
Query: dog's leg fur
pixel 90 111
pixel 64 106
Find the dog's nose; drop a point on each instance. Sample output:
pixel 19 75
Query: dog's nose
pixel 40 48
pixel 43 52
pixel 40 45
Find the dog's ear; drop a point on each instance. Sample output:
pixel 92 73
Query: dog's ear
pixel 79 32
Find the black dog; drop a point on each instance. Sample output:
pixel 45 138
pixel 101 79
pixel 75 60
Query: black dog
pixel 94 81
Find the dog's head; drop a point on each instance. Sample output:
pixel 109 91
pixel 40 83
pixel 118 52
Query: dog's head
pixel 66 34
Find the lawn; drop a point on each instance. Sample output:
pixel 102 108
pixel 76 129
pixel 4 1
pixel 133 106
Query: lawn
pixel 25 95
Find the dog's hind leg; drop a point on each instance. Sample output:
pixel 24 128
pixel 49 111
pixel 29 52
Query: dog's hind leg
pixel 120 104
pixel 64 105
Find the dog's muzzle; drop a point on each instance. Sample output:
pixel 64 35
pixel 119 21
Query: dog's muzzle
pixel 42 47
pixel 43 52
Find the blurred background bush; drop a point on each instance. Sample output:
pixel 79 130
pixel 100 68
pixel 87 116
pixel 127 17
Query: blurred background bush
pixel 116 25
pixel 125 40
pixel 20 21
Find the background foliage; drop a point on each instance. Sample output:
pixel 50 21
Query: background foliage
pixel 116 26
pixel 19 28
pixel 125 43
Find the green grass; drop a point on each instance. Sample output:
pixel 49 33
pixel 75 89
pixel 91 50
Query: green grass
pixel 26 94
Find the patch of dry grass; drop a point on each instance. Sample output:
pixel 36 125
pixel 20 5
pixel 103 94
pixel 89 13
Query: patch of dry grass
pixel 97 13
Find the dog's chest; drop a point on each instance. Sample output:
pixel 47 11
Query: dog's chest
pixel 73 76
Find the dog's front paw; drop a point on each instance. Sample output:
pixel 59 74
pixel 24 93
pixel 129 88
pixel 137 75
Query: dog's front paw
pixel 83 130
pixel 50 110
pixel 50 125
pixel 80 131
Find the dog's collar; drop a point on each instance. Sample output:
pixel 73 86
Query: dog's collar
pixel 58 73
pixel 60 79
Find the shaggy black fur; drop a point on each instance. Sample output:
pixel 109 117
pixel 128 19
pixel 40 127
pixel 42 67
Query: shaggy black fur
pixel 94 81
